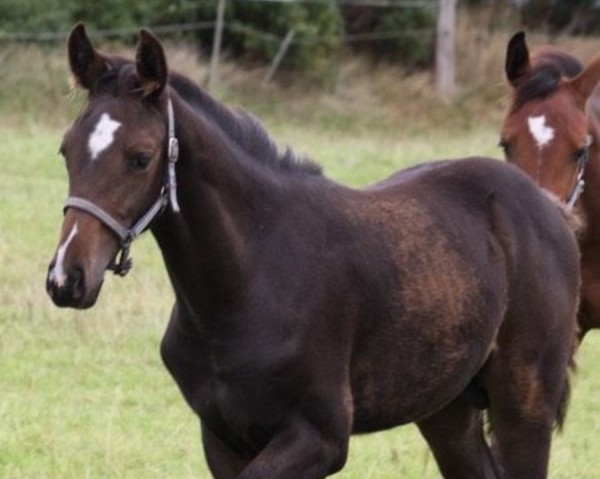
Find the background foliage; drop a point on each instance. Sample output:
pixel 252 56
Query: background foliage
pixel 575 17
pixel 319 27
pixel 399 35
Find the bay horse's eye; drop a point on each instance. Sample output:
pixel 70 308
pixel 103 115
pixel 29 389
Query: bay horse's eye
pixel 140 161
pixel 505 147
pixel 581 154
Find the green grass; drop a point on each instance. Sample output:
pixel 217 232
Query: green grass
pixel 84 394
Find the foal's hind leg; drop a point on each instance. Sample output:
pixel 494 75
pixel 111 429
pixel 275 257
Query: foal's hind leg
pixel 526 396
pixel 455 436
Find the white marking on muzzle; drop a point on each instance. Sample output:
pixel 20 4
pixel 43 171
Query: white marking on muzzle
pixel 103 135
pixel 58 275
pixel 541 132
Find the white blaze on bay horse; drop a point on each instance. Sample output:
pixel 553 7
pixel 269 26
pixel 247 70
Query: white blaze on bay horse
pixel 306 311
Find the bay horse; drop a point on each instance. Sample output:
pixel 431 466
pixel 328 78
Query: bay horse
pixel 307 311
pixel 551 132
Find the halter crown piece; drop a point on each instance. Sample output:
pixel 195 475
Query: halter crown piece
pixel 168 195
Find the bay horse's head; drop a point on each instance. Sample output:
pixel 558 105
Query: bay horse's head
pixel 546 131
pixel 116 156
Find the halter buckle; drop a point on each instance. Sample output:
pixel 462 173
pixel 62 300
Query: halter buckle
pixel 173 150
pixel 125 263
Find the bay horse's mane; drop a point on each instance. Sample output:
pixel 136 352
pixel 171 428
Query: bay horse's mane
pixel 242 128
pixel 548 68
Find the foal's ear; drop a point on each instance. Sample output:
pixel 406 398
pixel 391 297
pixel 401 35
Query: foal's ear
pixel 85 62
pixel 517 59
pixel 583 84
pixel 151 65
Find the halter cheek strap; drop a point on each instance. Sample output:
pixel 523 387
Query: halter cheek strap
pixel 126 236
pixel 173 155
pixel 579 182
pixel 168 195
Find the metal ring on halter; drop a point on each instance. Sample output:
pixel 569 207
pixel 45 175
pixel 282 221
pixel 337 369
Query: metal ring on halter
pixel 168 195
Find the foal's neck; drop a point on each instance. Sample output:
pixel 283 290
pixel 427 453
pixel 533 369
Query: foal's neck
pixel 226 199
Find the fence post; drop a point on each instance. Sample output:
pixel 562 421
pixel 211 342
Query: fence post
pixel 445 49
pixel 283 48
pixel 213 73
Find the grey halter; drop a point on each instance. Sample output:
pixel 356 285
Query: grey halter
pixel 168 194
pixel 579 182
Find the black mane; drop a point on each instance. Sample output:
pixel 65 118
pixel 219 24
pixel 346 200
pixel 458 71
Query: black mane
pixel 239 126
pixel 243 128
pixel 545 76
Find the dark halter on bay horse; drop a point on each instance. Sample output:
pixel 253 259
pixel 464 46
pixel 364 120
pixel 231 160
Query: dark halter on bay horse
pixel 555 87
pixel 307 311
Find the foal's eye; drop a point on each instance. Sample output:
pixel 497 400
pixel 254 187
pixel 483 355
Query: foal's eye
pixel 140 161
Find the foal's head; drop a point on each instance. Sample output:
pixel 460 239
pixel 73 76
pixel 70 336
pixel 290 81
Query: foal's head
pixel 115 155
pixel 546 131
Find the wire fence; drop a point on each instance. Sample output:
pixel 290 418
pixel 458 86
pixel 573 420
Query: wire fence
pixel 232 27
pixel 239 28
pixel 58 36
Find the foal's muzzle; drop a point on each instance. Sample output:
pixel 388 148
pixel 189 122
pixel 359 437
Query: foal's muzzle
pixel 70 291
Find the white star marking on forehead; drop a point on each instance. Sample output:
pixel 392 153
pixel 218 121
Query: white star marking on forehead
pixel 103 135
pixel 541 132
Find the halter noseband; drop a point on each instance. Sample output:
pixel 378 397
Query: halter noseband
pixel 579 182
pixel 168 194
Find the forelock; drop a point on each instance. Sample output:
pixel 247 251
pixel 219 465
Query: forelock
pixel 548 71
pixel 121 80
pixel 540 84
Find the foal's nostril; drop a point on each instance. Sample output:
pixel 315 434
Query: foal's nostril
pixel 76 284
pixel 68 288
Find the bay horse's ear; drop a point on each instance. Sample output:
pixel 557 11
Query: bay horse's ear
pixel 517 59
pixel 85 62
pixel 151 65
pixel 583 84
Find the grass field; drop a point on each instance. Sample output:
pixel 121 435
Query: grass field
pixel 84 394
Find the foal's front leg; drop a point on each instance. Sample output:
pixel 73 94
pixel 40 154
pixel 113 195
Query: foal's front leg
pixel 301 450
pixel 222 461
